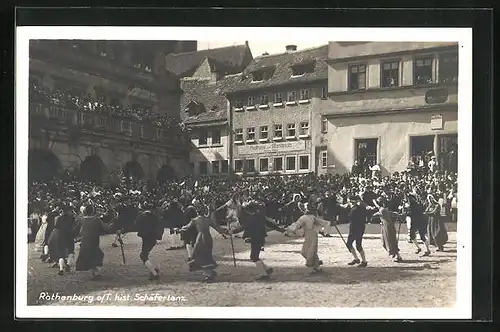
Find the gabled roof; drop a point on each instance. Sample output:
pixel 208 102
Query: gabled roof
pixel 282 65
pixel 210 95
pixel 184 64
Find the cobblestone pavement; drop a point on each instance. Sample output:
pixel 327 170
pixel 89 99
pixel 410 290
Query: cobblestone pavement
pixel 416 282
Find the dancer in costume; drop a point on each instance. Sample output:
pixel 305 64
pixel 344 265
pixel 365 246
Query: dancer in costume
pixel 149 229
pixel 436 228
pixel 388 229
pixel 90 228
pixel 253 224
pixel 201 257
pixel 311 224
pixel 62 240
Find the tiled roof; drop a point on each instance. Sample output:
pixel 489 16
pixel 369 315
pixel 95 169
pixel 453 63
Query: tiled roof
pixel 210 95
pixel 184 64
pixel 281 66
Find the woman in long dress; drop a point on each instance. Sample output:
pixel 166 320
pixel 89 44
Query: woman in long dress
pixel 388 229
pixel 202 258
pixel 40 235
pixel 312 225
pixel 436 228
pixel 89 229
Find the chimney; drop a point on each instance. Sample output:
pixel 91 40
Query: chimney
pixel 291 48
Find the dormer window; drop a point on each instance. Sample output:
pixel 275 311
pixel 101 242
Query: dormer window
pixel 298 71
pixel 301 69
pixel 257 76
pixel 261 75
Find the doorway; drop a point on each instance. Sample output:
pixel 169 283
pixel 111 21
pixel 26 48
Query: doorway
pixel 366 152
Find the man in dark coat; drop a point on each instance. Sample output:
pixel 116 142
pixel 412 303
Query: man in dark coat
pixel 253 223
pixel 61 241
pixel 150 229
pixel 357 219
pixel 415 211
pixel 90 228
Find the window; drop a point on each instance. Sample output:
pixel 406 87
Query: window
pixel 264 100
pixel 298 70
pixel 324 92
pixel 257 76
pixel 216 167
pixel 324 124
pixel 263 165
pixel 251 134
pixel 264 134
pixel 238 166
pixel 304 129
pixel 202 140
pixel 357 77
pixel 250 101
pixel 448 152
pixel 304 94
pixel 290 130
pixel 278 164
pixel 292 96
pixel 278 131
pixel 422 71
pixel 324 158
pixel 278 98
pixel 216 137
pixel 366 151
pixel 290 163
pixel 390 74
pixel 250 165
pixel 203 167
pixel 238 135
pixel 238 103
pixel 225 166
pixel 420 146
pixel 448 68
pixel 304 163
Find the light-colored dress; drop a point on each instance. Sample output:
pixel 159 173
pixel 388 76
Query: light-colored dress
pixel 311 226
pixel 388 230
pixel 40 235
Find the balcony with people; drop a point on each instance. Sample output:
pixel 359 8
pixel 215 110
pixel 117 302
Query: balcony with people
pixel 80 110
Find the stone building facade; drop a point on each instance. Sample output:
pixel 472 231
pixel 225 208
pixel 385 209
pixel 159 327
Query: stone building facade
pixel 388 102
pixel 121 73
pixel 271 111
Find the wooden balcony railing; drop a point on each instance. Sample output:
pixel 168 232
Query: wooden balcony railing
pixel 106 123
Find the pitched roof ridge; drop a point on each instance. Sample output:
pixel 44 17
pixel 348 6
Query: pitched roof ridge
pixel 294 52
pixel 205 50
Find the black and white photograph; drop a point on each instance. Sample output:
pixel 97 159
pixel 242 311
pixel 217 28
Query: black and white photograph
pixel 243 172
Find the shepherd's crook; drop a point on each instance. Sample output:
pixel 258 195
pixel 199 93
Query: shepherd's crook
pixel 121 246
pixel 399 228
pixel 232 243
pixel 338 231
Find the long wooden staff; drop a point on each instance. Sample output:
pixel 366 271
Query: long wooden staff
pixel 232 243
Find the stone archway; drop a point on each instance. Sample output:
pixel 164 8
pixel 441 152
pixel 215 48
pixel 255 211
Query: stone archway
pixel 93 169
pixel 133 170
pixel 165 174
pixel 43 165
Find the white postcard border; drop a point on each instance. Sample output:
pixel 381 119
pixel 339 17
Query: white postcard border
pixel 463 308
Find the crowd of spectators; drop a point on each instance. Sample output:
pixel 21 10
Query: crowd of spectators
pixel 86 103
pixel 277 192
